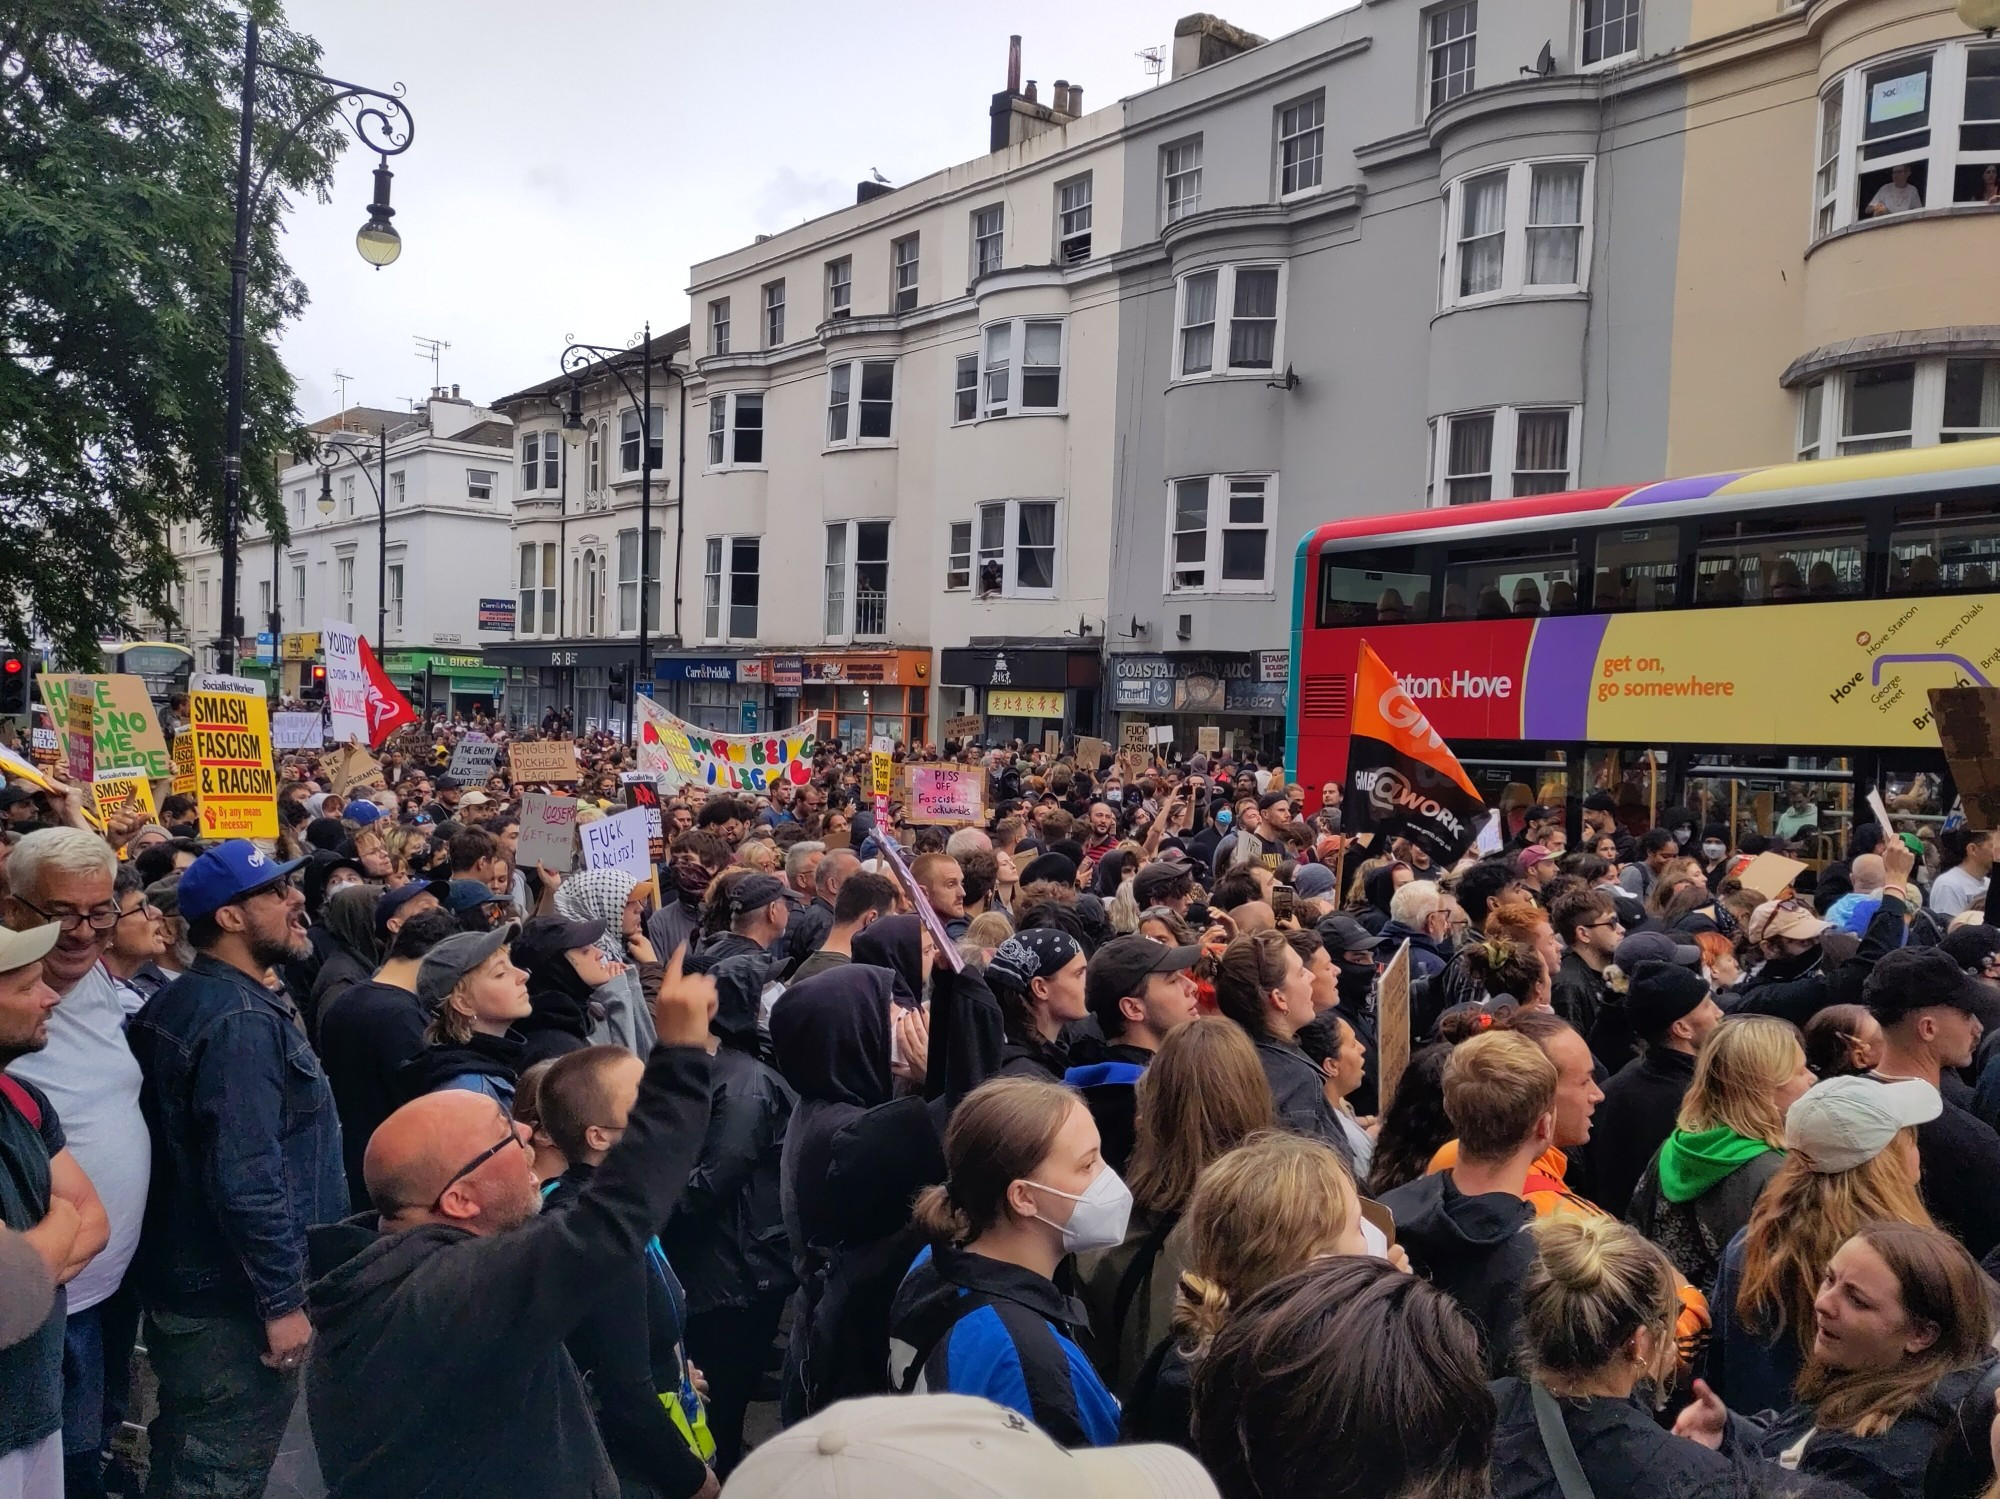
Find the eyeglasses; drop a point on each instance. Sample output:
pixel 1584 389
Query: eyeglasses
pixel 1598 926
pixel 513 1138
pixel 144 908
pixel 102 919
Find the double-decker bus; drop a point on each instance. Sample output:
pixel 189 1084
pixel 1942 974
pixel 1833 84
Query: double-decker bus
pixel 1758 646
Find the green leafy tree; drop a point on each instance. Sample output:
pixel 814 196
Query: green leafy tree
pixel 118 138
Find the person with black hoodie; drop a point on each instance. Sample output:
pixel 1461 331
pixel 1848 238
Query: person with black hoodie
pixel 565 970
pixel 629 1348
pixel 438 1364
pixel 1672 1010
pixel 1464 1228
pixel 856 1152
pixel 1037 977
pixel 473 994
pixel 726 1239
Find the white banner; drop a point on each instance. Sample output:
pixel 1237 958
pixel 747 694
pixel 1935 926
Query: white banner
pixel 296 731
pixel 346 683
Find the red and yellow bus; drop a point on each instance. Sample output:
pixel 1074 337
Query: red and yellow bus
pixel 1758 646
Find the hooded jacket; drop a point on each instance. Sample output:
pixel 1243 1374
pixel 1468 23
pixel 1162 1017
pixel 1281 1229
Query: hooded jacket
pixel 1298 1089
pixel 481 1064
pixel 965 1324
pixel 855 1155
pixel 894 943
pixel 1696 1194
pixel 565 1011
pixel 806 932
pixel 1474 1249
pixel 1620 1447
pixel 438 1365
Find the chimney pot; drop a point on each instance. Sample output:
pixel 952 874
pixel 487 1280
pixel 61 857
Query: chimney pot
pixel 1029 92
pixel 1059 97
pixel 1076 98
pixel 454 390
pixel 1013 65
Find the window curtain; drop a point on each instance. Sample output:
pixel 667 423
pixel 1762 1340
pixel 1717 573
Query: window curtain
pixel 1482 234
pixel 1555 212
pixel 1036 565
pixel 1198 322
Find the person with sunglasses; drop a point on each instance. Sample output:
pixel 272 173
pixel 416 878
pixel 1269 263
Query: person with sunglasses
pixel 440 1365
pixel 246 1158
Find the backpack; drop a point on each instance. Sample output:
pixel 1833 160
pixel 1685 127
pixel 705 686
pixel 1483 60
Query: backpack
pixel 22 1100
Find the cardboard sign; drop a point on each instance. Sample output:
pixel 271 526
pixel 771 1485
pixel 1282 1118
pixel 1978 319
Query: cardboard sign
pixel 80 730
pixel 119 794
pixel 128 731
pixel 297 731
pixel 45 744
pixel 1132 767
pixel 1135 736
pixel 234 784
pixel 184 782
pixel 346 684
pixel 1208 739
pixel 617 842
pixel 474 758
pixel 642 790
pixel 1392 1023
pixel 1968 726
pixel 548 832
pixel 965 726
pixel 1090 753
pixel 1161 734
pixel 543 760
pixel 354 769
pixel 1770 875
pixel 1052 741
pixel 945 796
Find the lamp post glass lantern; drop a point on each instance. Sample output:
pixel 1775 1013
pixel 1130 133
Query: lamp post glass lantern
pixel 380 121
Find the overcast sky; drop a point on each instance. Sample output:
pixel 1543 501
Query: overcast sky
pixel 573 160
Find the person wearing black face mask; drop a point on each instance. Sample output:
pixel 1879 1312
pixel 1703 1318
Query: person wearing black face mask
pixel 698 857
pixel 1353 948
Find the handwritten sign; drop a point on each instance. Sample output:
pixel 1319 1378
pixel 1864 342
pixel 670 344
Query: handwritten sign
pixel 80 730
pixel 1770 875
pixel 346 684
pixel 642 789
pixel 234 784
pixel 945 795
pixel 965 726
pixel 548 760
pixel 1392 1010
pixel 1208 739
pixel 882 772
pixel 746 763
pixel 126 728
pixel 297 731
pixel 354 769
pixel 1134 737
pixel 617 842
pixel 1090 753
pixel 548 832
pixel 1968 725
pixel 473 758
pixel 1052 741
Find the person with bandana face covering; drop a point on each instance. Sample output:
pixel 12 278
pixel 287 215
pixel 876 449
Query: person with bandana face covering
pixel 1038 978
pixel 1353 949
pixel 980 1312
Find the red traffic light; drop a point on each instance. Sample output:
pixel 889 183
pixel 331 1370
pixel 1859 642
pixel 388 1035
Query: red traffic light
pixel 13 666
pixel 319 673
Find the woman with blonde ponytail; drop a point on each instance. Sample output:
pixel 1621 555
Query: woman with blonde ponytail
pixel 1271 1206
pixel 1598 1308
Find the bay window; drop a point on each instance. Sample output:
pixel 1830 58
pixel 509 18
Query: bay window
pixel 857 580
pixel 1021 367
pixel 1254 298
pixel 1930 116
pixel 1519 230
pixel 860 402
pixel 965 389
pixel 541 461
pixel 1221 534
pixel 1911 403
pixel 630 431
pixel 735 428
pixel 1506 452
pixel 1017 549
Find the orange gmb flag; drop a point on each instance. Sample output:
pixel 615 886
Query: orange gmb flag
pixel 1402 779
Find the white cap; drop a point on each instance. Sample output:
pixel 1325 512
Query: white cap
pixel 952 1447
pixel 1846 1122
pixel 19 949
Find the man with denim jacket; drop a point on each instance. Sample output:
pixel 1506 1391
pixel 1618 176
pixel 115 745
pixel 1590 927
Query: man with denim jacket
pixel 246 1158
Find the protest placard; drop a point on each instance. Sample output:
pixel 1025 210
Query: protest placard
pixel 1392 1010
pixel 1090 753
pixel 1968 725
pixel 1208 739
pixel 234 784
pixel 945 796
pixel 14 764
pixel 1135 737
pixel 216 681
pixel 965 726
pixel 1052 741
pixel 80 730
pixel 745 763
pixel 642 790
pixel 882 772
pixel 297 731
pixel 548 832
pixel 354 769
pixel 183 757
pixel 1770 875
pixel 120 793
pixel 617 842
pixel 1161 733
pixel 346 684
pixel 127 730
pixel 473 758
pixel 548 760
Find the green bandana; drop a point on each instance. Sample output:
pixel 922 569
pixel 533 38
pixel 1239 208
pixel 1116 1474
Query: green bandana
pixel 1692 1163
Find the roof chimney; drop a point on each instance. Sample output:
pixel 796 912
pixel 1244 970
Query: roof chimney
pixel 454 390
pixel 1202 40
pixel 1013 65
pixel 1076 99
pixel 1029 92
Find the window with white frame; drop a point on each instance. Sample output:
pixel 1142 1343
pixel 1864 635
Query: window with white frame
pixel 857 580
pixel 729 587
pixel 903 273
pixel 345 585
pixel 525 599
pixel 298 507
pixel 264 599
pixel 299 590
pixel 839 287
pixel 860 402
pixel 1519 230
pixel 631 430
pixel 1180 179
pixel 1073 220
pixel 1929 117
pixel 1248 301
pixel 593 447
pixel 1220 534
pixel 347 494
pixel 989 233
pixel 1610 31
pixel 1021 366
pixel 201 597
pixel 395 573
pixel 958 557
pixel 1912 403
pixel 551 624
pixel 1503 453
pixel 1017 549
pixel 1451 37
pixel 718 326
pixel 628 579
pixel 479 483
pixel 774 315
pixel 1301 145
pixel 541 461
pixel 399 489
pixel 965 389
pixel 735 428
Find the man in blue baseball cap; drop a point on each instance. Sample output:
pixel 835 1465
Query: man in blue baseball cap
pixel 246 1158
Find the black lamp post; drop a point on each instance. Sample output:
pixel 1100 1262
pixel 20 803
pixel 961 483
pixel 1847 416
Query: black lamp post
pixel 577 359
pixel 333 453
pixel 380 122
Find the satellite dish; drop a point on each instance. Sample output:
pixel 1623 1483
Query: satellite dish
pixel 1545 60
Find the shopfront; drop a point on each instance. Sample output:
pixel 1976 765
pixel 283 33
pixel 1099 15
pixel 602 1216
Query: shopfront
pixel 456 681
pixel 1024 692
pixel 1240 695
pixel 570 678
pixel 858 695
pixel 704 690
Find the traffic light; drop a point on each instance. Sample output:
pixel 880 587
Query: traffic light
pixel 316 685
pixel 14 675
pixel 621 676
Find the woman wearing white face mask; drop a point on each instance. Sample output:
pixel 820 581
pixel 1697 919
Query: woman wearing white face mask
pixel 979 1313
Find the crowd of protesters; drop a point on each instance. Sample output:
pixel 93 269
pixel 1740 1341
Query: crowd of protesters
pixel 533 1182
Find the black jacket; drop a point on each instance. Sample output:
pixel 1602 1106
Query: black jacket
pixel 565 1011
pixel 805 933
pixel 1889 1466
pixel 1641 1102
pixel 1474 1249
pixel 1577 992
pixel 1108 1078
pixel 365 1037
pixel 1622 1450
pixel 494 1061
pixel 1299 1090
pixel 1161 1405
pixel 439 1368
pixel 1794 989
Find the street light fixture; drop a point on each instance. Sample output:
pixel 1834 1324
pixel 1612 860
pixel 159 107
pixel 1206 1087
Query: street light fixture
pixel 326 491
pixel 330 455
pixel 381 122
pixel 572 427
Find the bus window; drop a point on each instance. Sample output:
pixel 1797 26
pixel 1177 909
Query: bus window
pixel 1374 588
pixel 1780 560
pixel 1638 567
pixel 1503 582
pixel 1945 546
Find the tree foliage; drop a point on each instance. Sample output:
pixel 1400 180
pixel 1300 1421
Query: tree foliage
pixel 118 139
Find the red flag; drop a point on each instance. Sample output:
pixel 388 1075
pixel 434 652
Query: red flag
pixel 388 709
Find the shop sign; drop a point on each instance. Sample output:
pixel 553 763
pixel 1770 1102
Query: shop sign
pixel 1242 696
pixel 301 647
pixel 496 614
pixel 752 670
pixel 1274 666
pixel 694 669
pixel 1005 668
pixel 787 674
pixel 866 670
pixel 1200 683
pixel 1019 704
